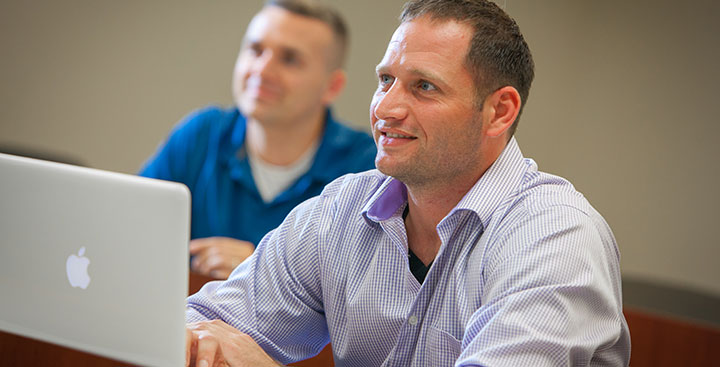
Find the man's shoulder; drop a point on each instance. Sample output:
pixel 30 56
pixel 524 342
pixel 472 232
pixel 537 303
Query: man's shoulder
pixel 209 118
pixel 545 201
pixel 343 135
pixel 344 150
pixel 544 207
pixel 204 127
pixel 541 190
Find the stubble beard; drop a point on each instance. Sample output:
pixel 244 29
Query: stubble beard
pixel 431 171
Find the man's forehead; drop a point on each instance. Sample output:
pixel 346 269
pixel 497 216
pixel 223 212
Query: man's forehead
pixel 285 27
pixel 400 32
pixel 432 31
pixel 424 35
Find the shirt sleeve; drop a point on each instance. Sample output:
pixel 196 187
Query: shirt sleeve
pixel 275 295
pixel 551 296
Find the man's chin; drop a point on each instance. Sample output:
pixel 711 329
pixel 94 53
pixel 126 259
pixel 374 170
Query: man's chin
pixel 392 170
pixel 408 174
pixel 257 111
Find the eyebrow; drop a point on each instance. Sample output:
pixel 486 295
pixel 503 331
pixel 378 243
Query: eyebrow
pixel 430 76
pixel 422 74
pixel 285 48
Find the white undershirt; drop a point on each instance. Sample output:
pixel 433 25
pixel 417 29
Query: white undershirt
pixel 271 180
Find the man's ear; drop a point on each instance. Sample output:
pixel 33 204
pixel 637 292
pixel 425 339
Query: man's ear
pixel 500 110
pixel 336 84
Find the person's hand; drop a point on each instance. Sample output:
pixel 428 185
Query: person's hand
pixel 215 343
pixel 218 256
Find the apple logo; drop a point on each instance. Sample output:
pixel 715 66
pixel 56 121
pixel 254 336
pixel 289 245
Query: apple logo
pixel 76 268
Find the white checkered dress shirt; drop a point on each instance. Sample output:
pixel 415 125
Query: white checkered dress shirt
pixel 527 275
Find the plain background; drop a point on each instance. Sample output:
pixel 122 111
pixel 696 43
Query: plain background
pixel 624 103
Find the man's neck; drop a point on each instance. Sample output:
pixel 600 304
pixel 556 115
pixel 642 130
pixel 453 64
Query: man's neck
pixel 429 203
pixel 426 209
pixel 283 143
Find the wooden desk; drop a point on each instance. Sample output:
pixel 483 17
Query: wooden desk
pixel 20 351
pixel 662 341
pixel 656 341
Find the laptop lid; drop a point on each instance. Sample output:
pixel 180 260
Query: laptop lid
pixel 94 260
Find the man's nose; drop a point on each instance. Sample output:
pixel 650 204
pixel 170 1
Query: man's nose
pixel 392 104
pixel 263 63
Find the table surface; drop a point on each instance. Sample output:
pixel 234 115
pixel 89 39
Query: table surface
pixel 17 350
pixel 656 341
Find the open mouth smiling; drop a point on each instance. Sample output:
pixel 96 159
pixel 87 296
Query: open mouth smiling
pixel 397 136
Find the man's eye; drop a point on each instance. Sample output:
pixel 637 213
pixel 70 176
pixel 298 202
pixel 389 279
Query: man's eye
pixel 426 86
pixel 385 79
pixel 290 58
pixel 255 48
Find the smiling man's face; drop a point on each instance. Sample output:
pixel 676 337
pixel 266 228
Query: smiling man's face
pixel 283 71
pixel 424 116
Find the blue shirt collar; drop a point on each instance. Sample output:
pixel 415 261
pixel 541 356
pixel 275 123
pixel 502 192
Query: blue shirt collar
pixel 325 166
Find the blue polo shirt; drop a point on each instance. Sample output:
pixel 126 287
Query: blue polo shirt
pixel 206 152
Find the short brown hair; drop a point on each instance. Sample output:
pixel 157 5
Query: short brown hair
pixel 324 13
pixel 498 55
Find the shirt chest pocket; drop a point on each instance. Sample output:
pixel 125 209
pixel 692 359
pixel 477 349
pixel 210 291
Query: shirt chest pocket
pixel 442 348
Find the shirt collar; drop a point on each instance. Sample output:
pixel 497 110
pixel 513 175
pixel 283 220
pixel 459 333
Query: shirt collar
pixel 335 140
pixel 387 200
pixel 325 166
pixel 499 181
pixel 238 134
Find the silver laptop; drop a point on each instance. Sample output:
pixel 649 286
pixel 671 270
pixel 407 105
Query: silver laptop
pixel 94 260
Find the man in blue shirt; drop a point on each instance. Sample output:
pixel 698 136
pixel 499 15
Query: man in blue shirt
pixel 248 166
pixel 456 251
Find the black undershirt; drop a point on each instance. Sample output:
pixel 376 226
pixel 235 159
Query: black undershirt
pixel 417 268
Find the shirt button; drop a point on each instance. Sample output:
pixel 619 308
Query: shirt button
pixel 413 320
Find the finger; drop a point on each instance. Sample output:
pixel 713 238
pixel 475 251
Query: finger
pixel 197 264
pixel 217 261
pixel 200 261
pixel 218 267
pixel 207 349
pixel 200 244
pixel 229 243
pixel 214 267
pixel 220 361
pixel 220 273
pixel 188 346
pixel 218 256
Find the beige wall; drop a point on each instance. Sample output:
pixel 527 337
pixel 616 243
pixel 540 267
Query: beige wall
pixel 623 103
